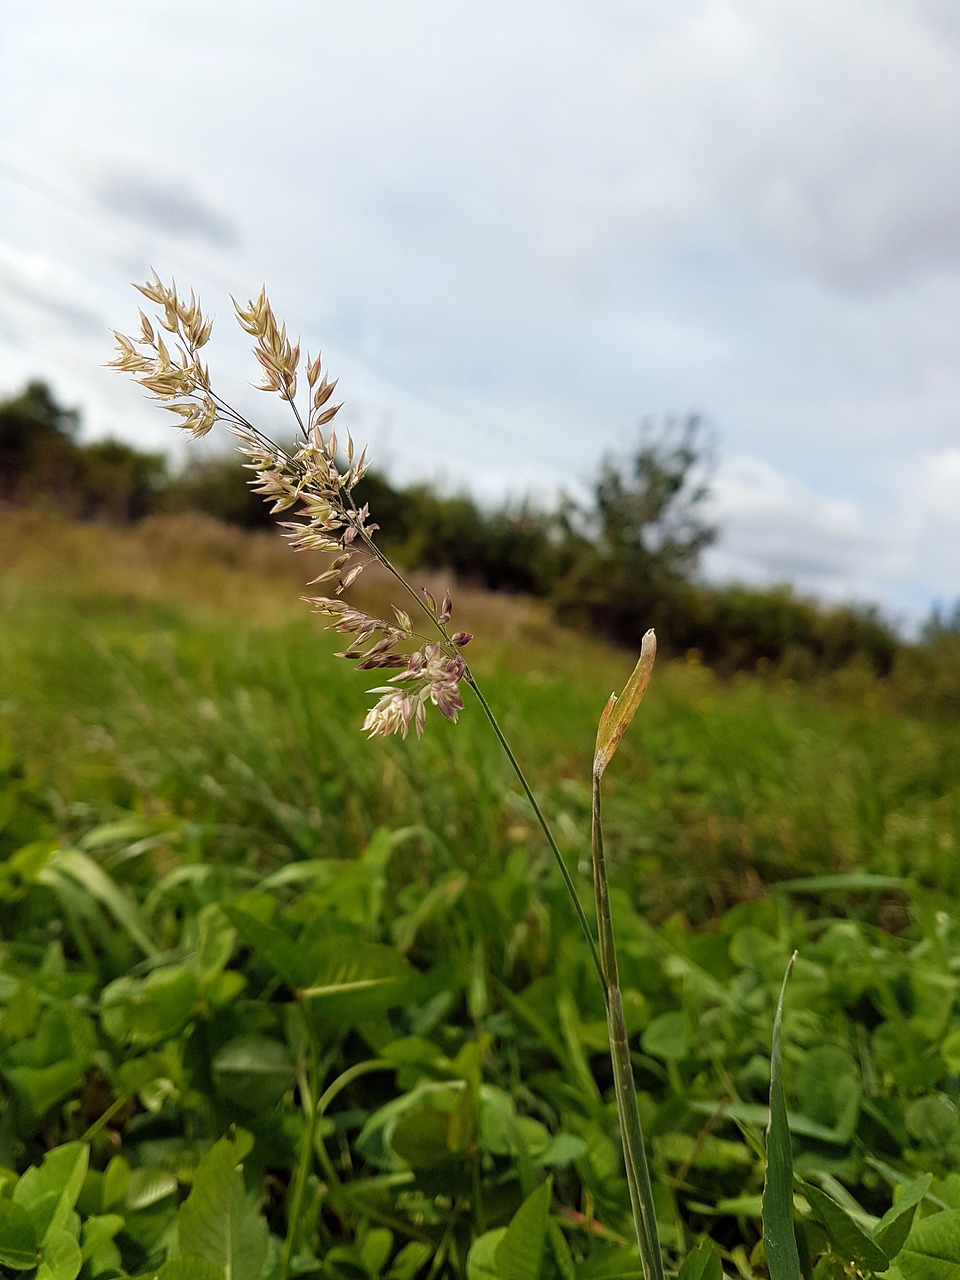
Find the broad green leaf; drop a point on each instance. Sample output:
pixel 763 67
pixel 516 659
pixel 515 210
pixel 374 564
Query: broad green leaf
pixel 50 1191
pixel 519 1255
pixel 375 1249
pixel 716 1155
pixel 667 1037
pixel 254 1071
pixel 703 1264
pixel 894 1227
pixel 43 1087
pixel 947 1192
pixel 62 1258
pixel 136 1074
pixel 462 1123
pixel 932 1120
pixel 98 1229
pixel 48 1065
pixel 214 942
pixel 563 1148
pixel 116 1180
pixel 932 1251
pixel 618 712
pixel 850 1242
pixel 148 1186
pixel 190 1267
pixel 216 1221
pixel 422 1138
pixel 829 1088
pixel 273 946
pixel 147 1011
pixel 561 1251
pixel 950 1050
pixel 408 1262
pixel 352 980
pixel 18 1237
pixel 482 1258
pixel 779 1238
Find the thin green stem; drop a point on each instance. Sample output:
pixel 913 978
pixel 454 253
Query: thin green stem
pixel 308 1088
pixel 631 1131
pixel 103 1120
pixel 314 1108
pixel 470 679
pixel 418 600
pixel 347 1077
pixel 544 826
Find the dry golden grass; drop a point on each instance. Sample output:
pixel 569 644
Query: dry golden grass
pixel 194 563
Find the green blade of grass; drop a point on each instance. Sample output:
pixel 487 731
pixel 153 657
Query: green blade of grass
pixel 99 885
pixel 779 1238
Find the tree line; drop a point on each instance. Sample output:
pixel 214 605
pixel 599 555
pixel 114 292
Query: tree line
pixel 623 559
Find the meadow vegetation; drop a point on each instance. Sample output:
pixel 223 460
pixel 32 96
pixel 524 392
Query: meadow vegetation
pixel 279 1001
pixel 200 851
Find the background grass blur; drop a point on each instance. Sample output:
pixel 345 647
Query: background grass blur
pixel 195 836
pixel 169 672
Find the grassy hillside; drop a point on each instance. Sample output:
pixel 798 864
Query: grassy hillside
pixel 200 849
pixel 172 669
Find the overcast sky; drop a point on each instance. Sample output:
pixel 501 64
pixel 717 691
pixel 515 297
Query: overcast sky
pixel 516 229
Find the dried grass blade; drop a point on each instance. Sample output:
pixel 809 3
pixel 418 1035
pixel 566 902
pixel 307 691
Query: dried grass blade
pixel 618 712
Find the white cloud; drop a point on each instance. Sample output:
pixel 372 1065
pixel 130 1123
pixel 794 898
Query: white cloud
pixel 940 487
pixel 776 529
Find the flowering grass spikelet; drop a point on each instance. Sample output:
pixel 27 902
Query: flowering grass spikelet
pixel 311 480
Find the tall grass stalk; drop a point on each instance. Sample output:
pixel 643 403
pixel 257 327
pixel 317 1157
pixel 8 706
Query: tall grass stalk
pixel 313 479
pixel 613 722
pixel 545 828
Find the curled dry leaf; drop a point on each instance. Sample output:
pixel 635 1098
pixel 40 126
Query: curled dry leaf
pixel 618 712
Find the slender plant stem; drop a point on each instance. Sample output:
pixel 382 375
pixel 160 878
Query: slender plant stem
pixel 103 1120
pixel 631 1131
pixel 470 679
pixel 347 1077
pixel 308 1087
pixel 315 1107
pixel 545 828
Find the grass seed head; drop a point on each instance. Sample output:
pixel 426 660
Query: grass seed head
pixel 309 480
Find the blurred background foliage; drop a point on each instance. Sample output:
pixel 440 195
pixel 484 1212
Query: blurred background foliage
pixel 623 559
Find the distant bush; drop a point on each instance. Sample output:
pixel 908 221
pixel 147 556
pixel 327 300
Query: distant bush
pixel 218 487
pixel 927 676
pixel 737 627
pixel 515 548
pixel 635 547
pixel 40 460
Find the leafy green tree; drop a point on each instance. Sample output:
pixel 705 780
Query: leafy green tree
pixel 219 487
pixel 41 459
pixel 639 543
pixel 36 444
pixel 115 481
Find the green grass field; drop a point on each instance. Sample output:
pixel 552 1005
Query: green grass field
pixel 200 849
